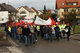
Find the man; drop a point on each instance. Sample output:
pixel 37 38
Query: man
pixel 7 32
pixel 26 31
pixel 9 29
pixel 68 28
pixel 38 30
pixel 32 36
pixel 50 33
pixel 15 33
pixel 63 30
pixel 57 31
pixel 19 32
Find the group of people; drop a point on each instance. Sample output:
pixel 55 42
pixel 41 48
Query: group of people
pixel 29 33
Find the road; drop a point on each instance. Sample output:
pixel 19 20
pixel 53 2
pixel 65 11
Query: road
pixel 45 46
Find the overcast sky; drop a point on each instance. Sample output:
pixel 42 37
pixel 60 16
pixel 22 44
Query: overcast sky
pixel 38 4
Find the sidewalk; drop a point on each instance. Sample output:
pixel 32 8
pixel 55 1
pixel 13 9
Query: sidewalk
pixel 75 37
pixel 9 46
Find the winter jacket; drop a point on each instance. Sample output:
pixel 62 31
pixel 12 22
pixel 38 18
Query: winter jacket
pixel 19 31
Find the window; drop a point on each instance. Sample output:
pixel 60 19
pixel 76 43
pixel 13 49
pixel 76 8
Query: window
pixel 69 3
pixel 62 3
pixel 75 3
pixel 65 10
pixel 78 9
pixel 0 8
pixel 73 10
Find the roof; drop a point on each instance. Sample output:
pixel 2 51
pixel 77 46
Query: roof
pixel 27 8
pixel 8 7
pixel 35 10
pixel 59 3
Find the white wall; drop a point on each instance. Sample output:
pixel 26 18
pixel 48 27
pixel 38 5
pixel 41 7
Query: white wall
pixel 28 14
pixel 4 16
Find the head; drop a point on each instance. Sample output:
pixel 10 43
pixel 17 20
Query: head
pixel 57 25
pixel 67 24
pixel 19 27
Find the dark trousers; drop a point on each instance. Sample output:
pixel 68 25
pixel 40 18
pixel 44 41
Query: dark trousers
pixel 51 37
pixel 42 35
pixel 68 35
pixel 63 34
pixel 57 36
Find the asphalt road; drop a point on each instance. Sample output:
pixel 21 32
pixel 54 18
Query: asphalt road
pixel 45 46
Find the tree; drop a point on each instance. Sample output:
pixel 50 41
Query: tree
pixel 44 11
pixel 71 18
pixel 53 16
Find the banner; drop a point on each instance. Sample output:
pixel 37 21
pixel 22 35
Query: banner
pixel 42 22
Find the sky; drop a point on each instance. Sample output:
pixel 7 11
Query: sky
pixel 38 4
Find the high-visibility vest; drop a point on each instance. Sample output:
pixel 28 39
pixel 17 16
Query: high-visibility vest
pixel 9 29
pixel 38 27
pixel 60 27
pixel 54 25
pixel 34 26
pixel 31 26
pixel 63 26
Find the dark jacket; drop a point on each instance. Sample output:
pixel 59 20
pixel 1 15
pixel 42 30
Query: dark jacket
pixel 57 30
pixel 15 30
pixel 50 31
pixel 26 31
pixel 69 28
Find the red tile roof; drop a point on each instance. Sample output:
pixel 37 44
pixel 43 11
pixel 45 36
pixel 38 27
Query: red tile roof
pixel 59 3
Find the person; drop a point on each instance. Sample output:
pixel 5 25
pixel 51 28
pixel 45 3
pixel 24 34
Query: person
pixel 68 28
pixel 60 27
pixel 45 32
pixel 53 32
pixel 41 31
pixel 7 32
pixel 26 31
pixel 9 29
pixel 35 33
pixel 63 30
pixel 19 32
pixel 32 38
pixel 15 32
pixel 38 30
pixel 50 33
pixel 57 31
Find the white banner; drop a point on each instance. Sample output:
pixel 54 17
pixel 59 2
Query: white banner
pixel 42 22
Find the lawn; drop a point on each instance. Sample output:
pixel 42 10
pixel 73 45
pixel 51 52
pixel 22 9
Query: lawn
pixel 77 29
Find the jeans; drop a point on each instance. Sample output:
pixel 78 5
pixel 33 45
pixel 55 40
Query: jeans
pixel 35 36
pixel 19 37
pixel 46 36
pixel 50 37
pixel 26 40
pixel 15 36
pixel 55 36
pixel 7 33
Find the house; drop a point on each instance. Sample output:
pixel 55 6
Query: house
pixel 6 10
pixel 66 6
pixel 35 11
pixel 25 11
pixel 40 12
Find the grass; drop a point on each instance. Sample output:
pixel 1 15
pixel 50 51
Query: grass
pixel 77 29
pixel 1 30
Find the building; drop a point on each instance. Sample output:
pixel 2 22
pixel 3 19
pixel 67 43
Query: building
pixel 35 11
pixel 6 11
pixel 65 6
pixel 25 11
